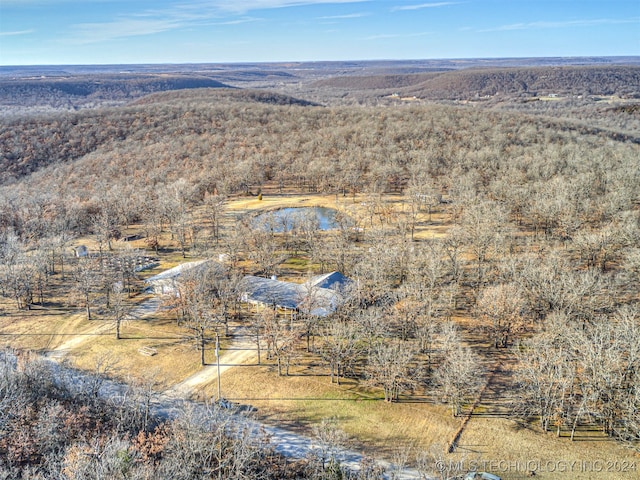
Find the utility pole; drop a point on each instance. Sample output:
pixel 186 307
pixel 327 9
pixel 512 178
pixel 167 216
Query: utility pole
pixel 218 362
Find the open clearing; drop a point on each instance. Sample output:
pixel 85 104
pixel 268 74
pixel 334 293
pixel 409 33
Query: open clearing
pixel 306 396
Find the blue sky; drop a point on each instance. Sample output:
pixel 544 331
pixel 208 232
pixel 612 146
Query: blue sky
pixel 36 32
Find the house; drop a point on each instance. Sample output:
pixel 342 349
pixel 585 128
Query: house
pixel 320 296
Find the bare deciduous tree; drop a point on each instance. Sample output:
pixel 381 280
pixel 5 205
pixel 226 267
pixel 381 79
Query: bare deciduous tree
pixel 460 374
pixel 200 304
pixel 118 309
pixel 331 440
pixel 546 374
pixel 391 366
pixel 483 224
pixel 214 205
pixel 87 276
pixel 501 308
pixel 340 347
pixel 280 336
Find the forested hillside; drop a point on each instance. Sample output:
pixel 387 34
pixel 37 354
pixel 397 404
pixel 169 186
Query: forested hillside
pixel 466 84
pixel 31 143
pixel 216 142
pixel 494 255
pixel 82 91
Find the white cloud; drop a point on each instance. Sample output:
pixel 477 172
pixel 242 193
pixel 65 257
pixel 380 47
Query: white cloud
pixel 424 5
pixel 559 24
pixel 244 6
pixel 177 15
pixel 383 36
pixel 18 32
pixel 347 16
pixel 22 3
pixel 126 27
pixel 238 21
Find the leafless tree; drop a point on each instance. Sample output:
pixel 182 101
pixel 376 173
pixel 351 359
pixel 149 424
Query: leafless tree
pixel 546 375
pixel 118 309
pixel 331 440
pixel 483 224
pixel 453 249
pixel 264 249
pixel 460 374
pixel 176 199
pixel 212 445
pixel 12 270
pixel 340 347
pixel 501 308
pixel 574 372
pixel 105 229
pixel 87 277
pixel 391 366
pixel 200 304
pixel 280 337
pixel 214 205
pixel 607 368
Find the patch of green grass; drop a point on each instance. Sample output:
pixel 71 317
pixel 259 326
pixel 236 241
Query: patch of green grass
pixel 298 261
pixel 297 264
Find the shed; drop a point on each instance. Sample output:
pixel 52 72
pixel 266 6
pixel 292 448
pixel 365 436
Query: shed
pixel 166 283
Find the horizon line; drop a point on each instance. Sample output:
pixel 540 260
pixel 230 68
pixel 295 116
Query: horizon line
pixel 362 60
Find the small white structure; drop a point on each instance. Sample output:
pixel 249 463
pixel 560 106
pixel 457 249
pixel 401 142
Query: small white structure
pixel 166 283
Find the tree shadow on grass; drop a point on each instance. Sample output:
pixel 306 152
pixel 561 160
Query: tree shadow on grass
pixel 123 337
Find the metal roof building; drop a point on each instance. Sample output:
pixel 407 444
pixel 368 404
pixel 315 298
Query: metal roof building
pixel 333 281
pixel 319 296
pixel 310 297
pixel 166 283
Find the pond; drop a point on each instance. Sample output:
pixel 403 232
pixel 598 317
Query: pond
pixel 286 219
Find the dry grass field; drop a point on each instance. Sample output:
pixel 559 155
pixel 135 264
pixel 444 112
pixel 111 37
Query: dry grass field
pixel 40 329
pixel 380 428
pixel 420 423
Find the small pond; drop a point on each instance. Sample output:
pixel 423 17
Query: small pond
pixel 286 219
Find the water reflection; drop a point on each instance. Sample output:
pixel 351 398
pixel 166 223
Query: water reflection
pixel 287 219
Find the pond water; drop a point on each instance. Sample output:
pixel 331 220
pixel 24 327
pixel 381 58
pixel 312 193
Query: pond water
pixel 286 219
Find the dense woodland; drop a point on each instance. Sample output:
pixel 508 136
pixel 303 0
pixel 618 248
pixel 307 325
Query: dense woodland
pixel 622 81
pixel 542 255
pixel 86 91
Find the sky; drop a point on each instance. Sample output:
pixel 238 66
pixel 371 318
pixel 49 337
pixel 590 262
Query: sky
pixel 88 32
